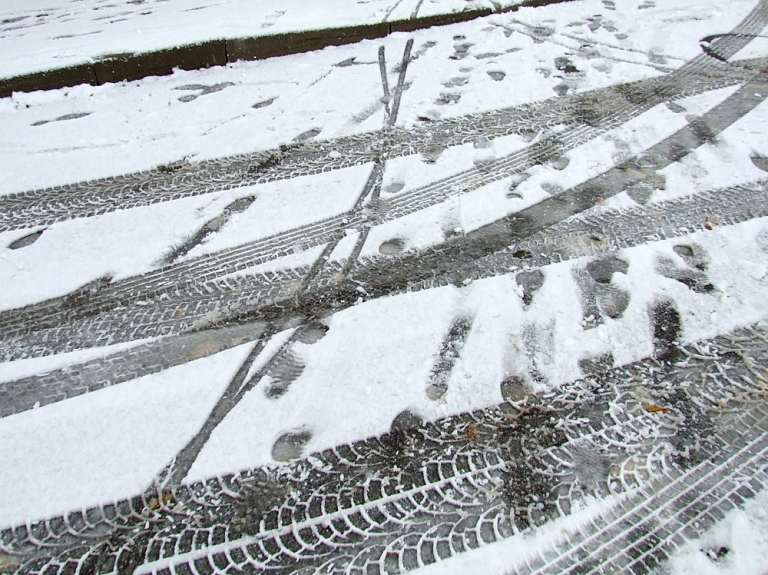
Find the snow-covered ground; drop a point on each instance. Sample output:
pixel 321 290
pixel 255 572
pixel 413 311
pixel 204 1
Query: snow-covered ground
pixel 89 132
pixel 551 180
pixel 39 35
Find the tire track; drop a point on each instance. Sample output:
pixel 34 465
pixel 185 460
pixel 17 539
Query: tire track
pixel 660 428
pixel 416 496
pixel 23 394
pixel 47 206
pixel 200 276
pixel 594 234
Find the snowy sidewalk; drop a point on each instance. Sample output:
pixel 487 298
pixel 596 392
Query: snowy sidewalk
pixel 94 43
pixel 488 297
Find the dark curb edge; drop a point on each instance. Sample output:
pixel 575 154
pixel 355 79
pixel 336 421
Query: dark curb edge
pixel 127 67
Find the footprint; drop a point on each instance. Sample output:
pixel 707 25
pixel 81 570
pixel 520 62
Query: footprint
pixel 561 89
pixel 288 367
pixel 642 191
pixel 202 89
pixel 366 113
pixel 347 62
pixel 530 282
pixel 565 65
pixel 25 241
pixel 692 276
pixel 65 117
pixel 13 20
pixel 552 189
pixel 666 325
pixel 693 255
pixel 461 51
pixel 446 99
pixel 290 445
pixel 308 135
pixel 647 4
pixel 392 247
pixel 263 103
pixel 406 420
pixel 602 270
pixel 676 108
pixel 290 362
pixel 312 333
pixel 561 162
pixel 760 162
pixel 597 364
pixel 270 20
pixel 594 23
pixel 209 227
pixel 515 181
pixel 423 49
pixel 609 4
pixel 393 188
pixel 542 31
pixel 449 353
pixel 431 153
pixel 455 82
pixel 514 389
pixel 497 75
pixel 599 297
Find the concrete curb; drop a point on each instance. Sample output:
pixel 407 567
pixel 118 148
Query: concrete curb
pixel 126 67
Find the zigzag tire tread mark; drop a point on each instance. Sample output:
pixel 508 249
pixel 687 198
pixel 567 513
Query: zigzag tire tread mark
pixel 23 394
pixel 86 199
pixel 445 493
pixel 597 233
pixel 566 240
pixel 206 269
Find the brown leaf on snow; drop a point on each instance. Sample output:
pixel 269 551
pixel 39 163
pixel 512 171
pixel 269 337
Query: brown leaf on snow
pixel 653 408
pixel 163 501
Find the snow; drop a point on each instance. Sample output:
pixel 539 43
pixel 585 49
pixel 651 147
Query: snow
pixel 12 370
pixel 524 547
pixel 738 543
pixel 108 444
pixel 380 352
pixel 37 36
pixel 287 204
pixel 740 538
pixel 139 125
pixel 375 353
pixel 724 162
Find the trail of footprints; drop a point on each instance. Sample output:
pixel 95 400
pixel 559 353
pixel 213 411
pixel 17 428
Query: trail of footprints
pixel 427 491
